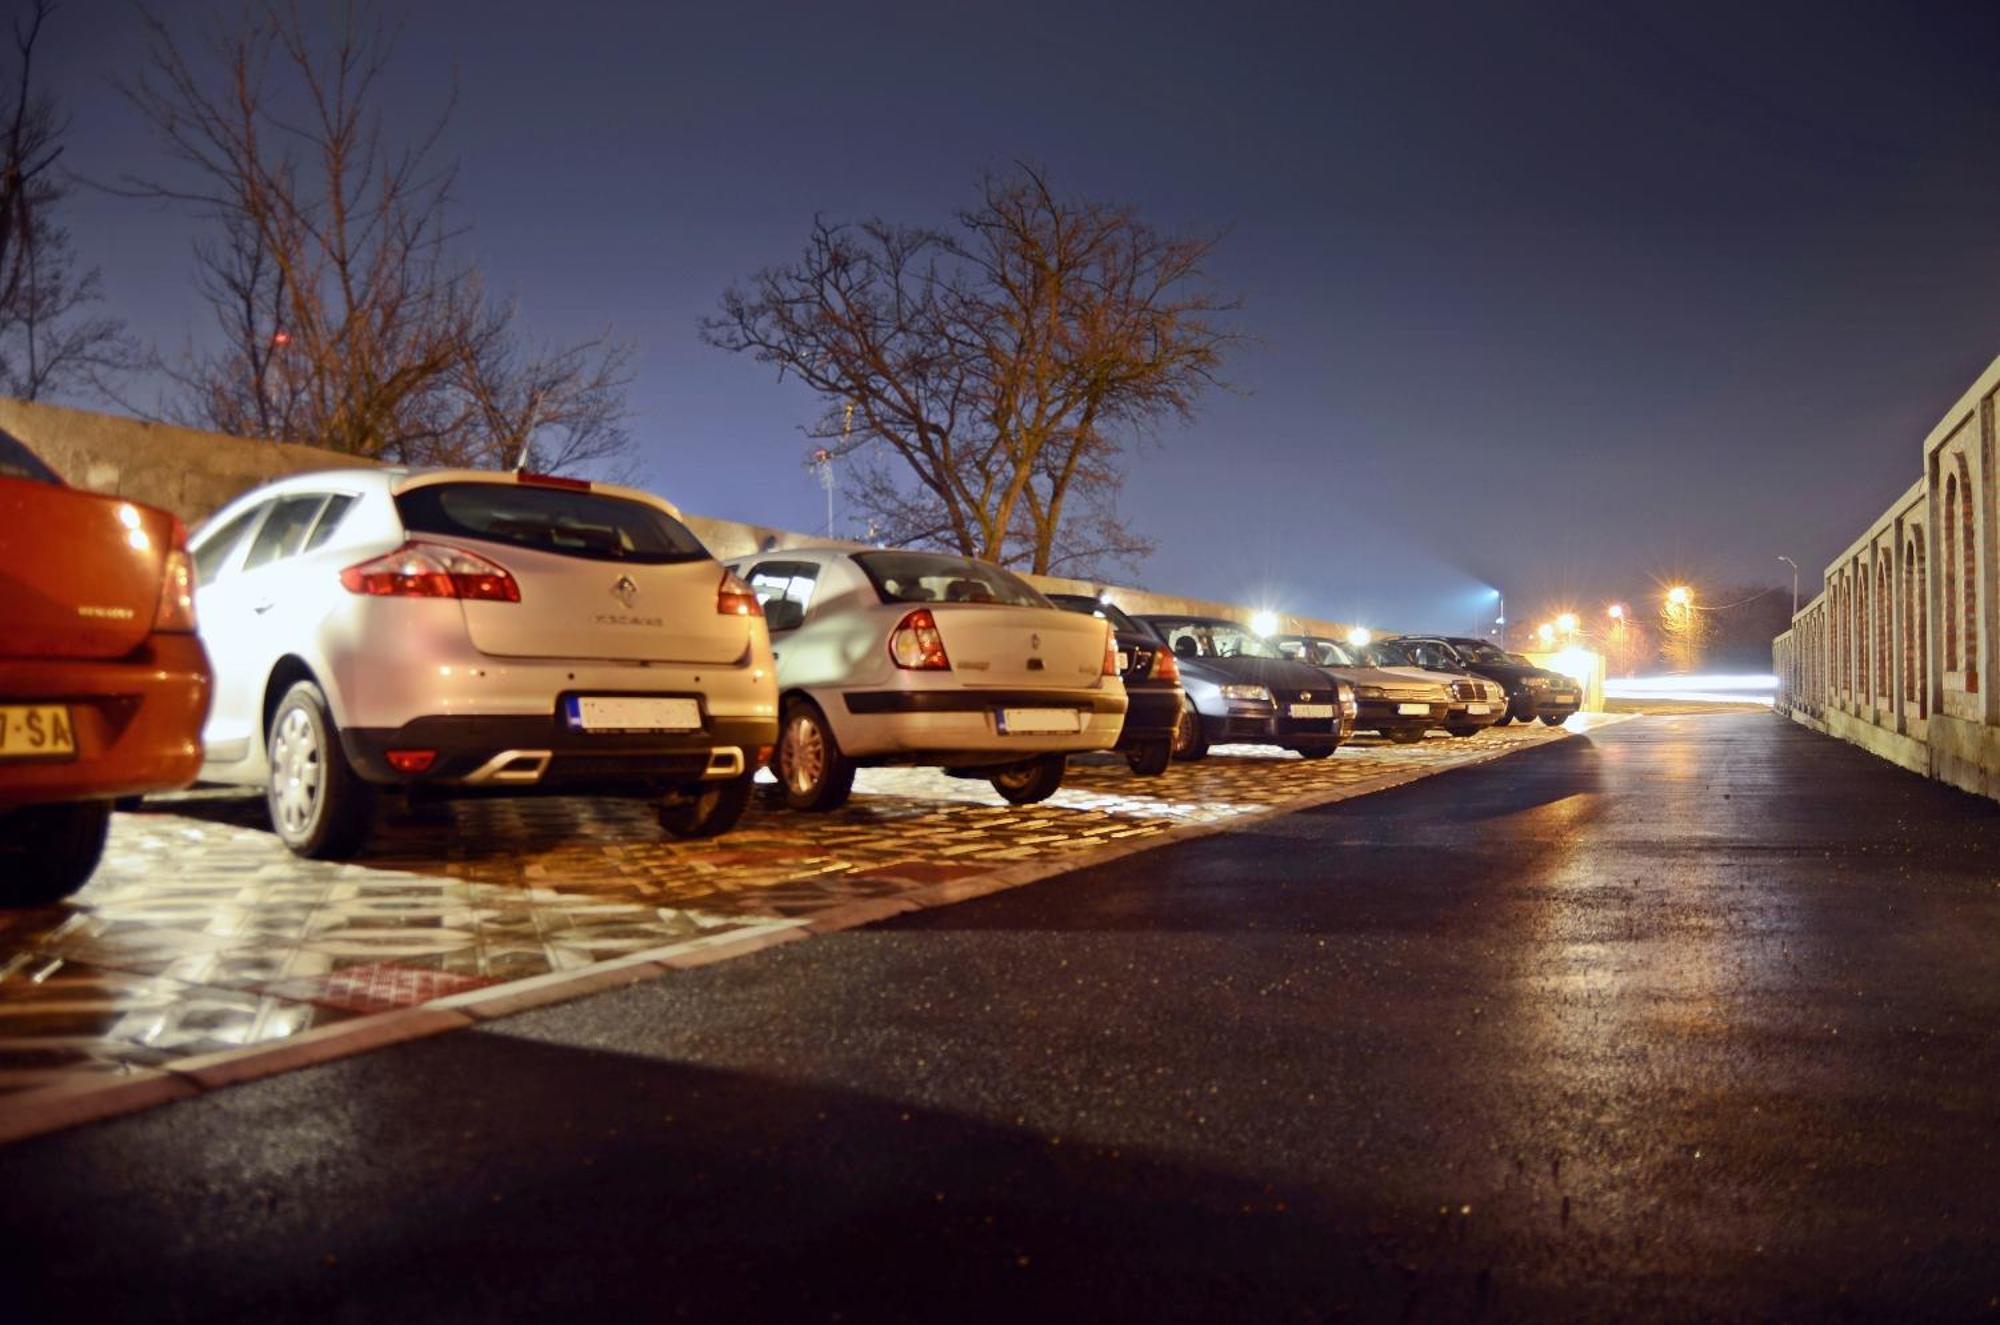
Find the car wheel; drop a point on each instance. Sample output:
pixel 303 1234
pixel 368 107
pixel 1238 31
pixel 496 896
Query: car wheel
pixel 1313 751
pixel 1190 742
pixel 1406 735
pixel 1035 780
pixel 812 772
pixel 1464 731
pixel 1521 712
pixel 1151 759
pixel 1554 719
pixel 50 850
pixel 319 807
pixel 709 809
pixel 1504 718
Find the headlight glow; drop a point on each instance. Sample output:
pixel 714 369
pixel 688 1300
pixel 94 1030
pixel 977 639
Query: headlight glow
pixel 1251 694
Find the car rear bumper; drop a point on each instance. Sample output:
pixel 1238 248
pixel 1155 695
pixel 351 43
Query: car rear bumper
pixel 524 754
pixel 964 726
pixel 1152 714
pixel 137 722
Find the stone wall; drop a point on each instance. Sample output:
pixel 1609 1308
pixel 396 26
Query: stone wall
pixel 182 470
pixel 1896 651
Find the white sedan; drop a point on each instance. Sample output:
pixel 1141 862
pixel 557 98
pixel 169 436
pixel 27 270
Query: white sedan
pixel 458 631
pixel 891 657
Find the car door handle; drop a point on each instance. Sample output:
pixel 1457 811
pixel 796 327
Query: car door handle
pixel 264 606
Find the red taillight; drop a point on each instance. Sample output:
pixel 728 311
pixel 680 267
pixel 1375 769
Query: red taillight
pixel 432 570
pixel 176 610
pixel 1110 650
pixel 735 598
pixel 1164 666
pixel 554 481
pixel 916 645
pixel 411 761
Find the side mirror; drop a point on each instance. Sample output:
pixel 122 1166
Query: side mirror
pixel 784 614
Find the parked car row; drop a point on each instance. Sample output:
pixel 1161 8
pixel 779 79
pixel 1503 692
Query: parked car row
pixel 453 633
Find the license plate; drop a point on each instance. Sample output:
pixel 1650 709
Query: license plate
pixel 36 731
pixel 1562 696
pixel 1413 708
pixel 633 713
pixel 1477 708
pixel 1312 710
pixel 1016 722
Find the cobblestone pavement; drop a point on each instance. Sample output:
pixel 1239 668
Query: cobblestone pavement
pixel 200 933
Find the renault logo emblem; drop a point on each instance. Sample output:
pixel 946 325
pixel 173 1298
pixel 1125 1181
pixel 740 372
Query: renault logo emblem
pixel 1305 694
pixel 625 590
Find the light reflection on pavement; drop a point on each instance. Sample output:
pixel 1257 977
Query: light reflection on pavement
pixel 201 933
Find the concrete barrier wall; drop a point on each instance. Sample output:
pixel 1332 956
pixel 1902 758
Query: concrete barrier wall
pixel 192 473
pixel 1896 652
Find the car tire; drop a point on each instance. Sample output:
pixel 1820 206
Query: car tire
pixel 1521 712
pixel 1190 741
pixel 812 772
pixel 51 850
pixel 320 808
pixel 1036 779
pixel 1405 735
pixel 1151 759
pixel 1554 720
pixel 1504 719
pixel 1313 751
pixel 1464 731
pixel 709 809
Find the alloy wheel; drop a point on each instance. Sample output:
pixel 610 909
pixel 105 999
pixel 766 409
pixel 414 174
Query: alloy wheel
pixel 296 773
pixel 802 756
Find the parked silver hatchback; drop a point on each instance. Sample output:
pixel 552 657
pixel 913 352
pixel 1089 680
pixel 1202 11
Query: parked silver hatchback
pixel 892 657
pixel 457 632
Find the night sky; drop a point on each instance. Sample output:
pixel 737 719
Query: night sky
pixel 1568 298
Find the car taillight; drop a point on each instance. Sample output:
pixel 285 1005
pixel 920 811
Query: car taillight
pixel 1164 666
pixel 432 570
pixel 176 611
pixel 916 645
pixel 735 598
pixel 1110 651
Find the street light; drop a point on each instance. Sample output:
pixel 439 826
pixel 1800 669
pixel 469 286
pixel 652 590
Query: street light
pixel 1567 623
pixel 1359 637
pixel 1546 633
pixel 1264 623
pixel 1795 583
pixel 1680 595
pixel 1616 612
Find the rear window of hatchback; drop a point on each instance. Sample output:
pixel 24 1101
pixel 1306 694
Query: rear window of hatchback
pixel 594 526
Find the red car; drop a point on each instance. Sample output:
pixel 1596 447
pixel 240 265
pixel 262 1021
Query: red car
pixel 103 685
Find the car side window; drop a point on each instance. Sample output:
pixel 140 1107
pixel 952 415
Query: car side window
pixel 284 531
pixel 329 520
pixel 785 588
pixel 212 550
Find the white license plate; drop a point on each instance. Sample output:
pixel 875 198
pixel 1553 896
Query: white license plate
pixel 1477 708
pixel 633 713
pixel 1413 708
pixel 1017 722
pixel 36 731
pixel 1312 710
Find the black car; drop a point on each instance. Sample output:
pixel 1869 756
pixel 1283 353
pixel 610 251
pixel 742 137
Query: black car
pixel 1152 685
pixel 1532 692
pixel 1241 690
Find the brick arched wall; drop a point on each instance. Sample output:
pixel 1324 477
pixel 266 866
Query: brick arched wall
pixel 1969 578
pixel 1948 576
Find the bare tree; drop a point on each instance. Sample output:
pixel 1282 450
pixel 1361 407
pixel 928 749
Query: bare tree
pixel 49 341
pixel 346 318
pixel 997 371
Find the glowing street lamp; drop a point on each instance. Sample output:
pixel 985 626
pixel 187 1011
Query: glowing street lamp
pixel 1264 623
pixel 1546 633
pixel 1680 595
pixel 1616 611
pixel 1567 623
pixel 1359 637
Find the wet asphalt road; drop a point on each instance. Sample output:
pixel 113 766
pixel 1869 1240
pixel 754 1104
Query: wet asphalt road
pixel 1695 1018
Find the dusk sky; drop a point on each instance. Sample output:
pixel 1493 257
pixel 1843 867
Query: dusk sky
pixel 1568 298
